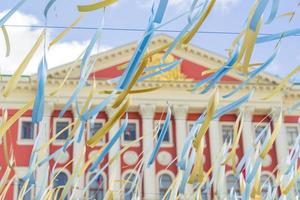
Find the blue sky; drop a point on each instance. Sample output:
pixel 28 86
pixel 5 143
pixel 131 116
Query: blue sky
pixel 228 15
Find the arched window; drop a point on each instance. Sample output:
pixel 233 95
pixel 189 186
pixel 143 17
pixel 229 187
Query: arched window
pixel 97 187
pixel 28 194
pixel 165 180
pixel 128 190
pixel 265 181
pixel 232 182
pixel 205 192
pixel 60 180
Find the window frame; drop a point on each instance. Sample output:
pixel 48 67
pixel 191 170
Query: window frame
pixel 170 143
pixel 104 182
pixel 137 124
pixel 101 142
pixel 288 125
pixel 59 170
pixel 160 173
pixel 270 175
pixel 230 173
pixel 55 120
pixel 255 124
pixel 221 123
pixel 21 172
pixel 124 174
pixel 21 141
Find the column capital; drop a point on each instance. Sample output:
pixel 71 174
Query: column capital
pixel 248 112
pixel 180 111
pixel 74 109
pixel 275 112
pixel 147 110
pixel 49 107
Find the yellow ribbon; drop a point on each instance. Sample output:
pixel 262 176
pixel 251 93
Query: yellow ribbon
pixel 95 6
pixel 273 137
pixel 101 132
pixel 5 126
pixel 212 105
pixel 12 82
pixel 282 83
pixel 64 32
pixel 6 38
pixel 189 35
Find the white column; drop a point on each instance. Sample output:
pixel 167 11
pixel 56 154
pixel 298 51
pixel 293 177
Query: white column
pixel 215 145
pixel 147 113
pixel 77 151
pixel 42 173
pixel 281 143
pixel 180 114
pixel 247 134
pixel 114 169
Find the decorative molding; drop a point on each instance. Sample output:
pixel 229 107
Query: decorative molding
pixel 164 158
pixel 147 111
pixel 180 112
pixel 130 158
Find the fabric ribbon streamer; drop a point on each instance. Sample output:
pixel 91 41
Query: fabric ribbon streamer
pixel 11 84
pixel 95 6
pixel 161 136
pixel 109 145
pixel 4 19
pixel 6 38
pixel 104 130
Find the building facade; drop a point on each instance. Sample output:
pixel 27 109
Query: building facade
pixel 145 113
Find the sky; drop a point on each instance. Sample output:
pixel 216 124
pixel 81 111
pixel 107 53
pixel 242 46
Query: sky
pixel 226 16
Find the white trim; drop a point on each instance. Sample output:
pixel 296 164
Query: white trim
pixel 20 173
pixel 21 141
pixel 136 122
pixel 171 142
pixel 189 122
pixel 286 125
pixel 55 120
pixel 102 141
pixel 230 173
pixel 104 181
pixel 161 172
pixel 221 123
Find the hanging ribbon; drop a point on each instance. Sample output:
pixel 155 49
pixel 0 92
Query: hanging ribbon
pixel 162 134
pixel 95 6
pixel 282 83
pixel 101 132
pixel 6 38
pixel 13 81
pixel 112 141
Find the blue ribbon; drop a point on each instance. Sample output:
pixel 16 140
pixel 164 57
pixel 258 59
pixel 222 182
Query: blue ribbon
pixel 4 19
pixel 274 10
pixel 38 107
pixel 160 138
pixel 48 6
pixel 258 14
pixel 109 145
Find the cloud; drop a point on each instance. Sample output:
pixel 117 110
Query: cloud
pixel 225 5
pixel 22 40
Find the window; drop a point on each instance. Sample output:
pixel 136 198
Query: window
pixel 27 195
pixel 130 132
pixel 232 183
pixel 60 180
pixel 97 188
pixel 165 180
pixel 292 134
pixel 265 180
pixel 26 129
pixel 205 191
pixel 167 138
pixel 227 133
pixel 61 125
pixel 190 125
pixel 259 129
pixel 94 128
pixel 128 189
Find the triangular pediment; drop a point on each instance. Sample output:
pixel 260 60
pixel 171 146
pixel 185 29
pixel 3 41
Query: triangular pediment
pixel 111 64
